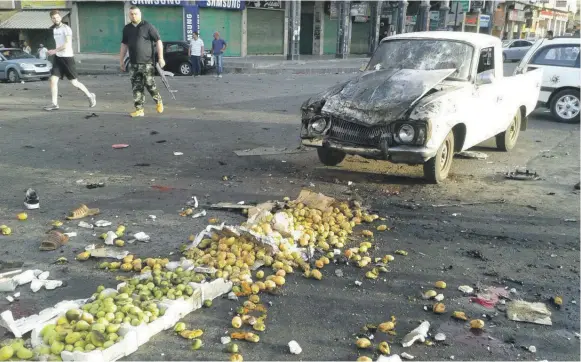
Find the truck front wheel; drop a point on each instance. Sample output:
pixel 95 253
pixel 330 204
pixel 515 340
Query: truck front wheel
pixel 506 140
pixel 437 168
pixel 330 157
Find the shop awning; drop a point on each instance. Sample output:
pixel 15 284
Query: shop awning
pixel 30 19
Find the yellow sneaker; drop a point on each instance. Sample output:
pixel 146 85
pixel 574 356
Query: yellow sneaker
pixel 137 113
pixel 159 107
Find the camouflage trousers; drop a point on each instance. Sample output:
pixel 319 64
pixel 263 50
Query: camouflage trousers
pixel 142 76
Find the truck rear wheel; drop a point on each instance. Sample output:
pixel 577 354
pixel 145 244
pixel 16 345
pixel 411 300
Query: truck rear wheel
pixel 506 140
pixel 436 169
pixel 330 157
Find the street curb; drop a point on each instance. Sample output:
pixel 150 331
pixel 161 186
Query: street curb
pixel 238 70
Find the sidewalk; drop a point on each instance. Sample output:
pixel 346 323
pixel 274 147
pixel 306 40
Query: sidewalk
pixel 308 64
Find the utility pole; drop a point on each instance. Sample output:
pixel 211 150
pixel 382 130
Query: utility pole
pixel 444 11
pixel 294 32
pixel 478 11
pixel 423 22
pixel 401 15
pixel 492 13
pixel 375 22
pixel 343 29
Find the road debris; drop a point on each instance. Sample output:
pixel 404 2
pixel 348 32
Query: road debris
pixel 31 199
pixel 82 212
pixel 476 324
pixel 265 151
pixel 225 340
pixel 53 240
pixel 102 223
pixel 85 225
pixel 118 146
pixel 466 289
pixel 522 311
pixel 489 297
pixel 522 175
pixel 358 283
pixel 339 273
pixel 418 334
pixel 294 347
pixel 95 185
pixel 141 236
pixel 476 254
pixel 406 355
pixel 440 337
pixel 472 155
pixel 470 203
pixel 439 297
pixel 178 153
pixel 532 349
pixel 392 358
pixel 199 214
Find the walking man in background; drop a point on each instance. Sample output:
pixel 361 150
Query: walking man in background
pixel 196 52
pixel 63 64
pixel 218 48
pixel 139 37
pixel 42 52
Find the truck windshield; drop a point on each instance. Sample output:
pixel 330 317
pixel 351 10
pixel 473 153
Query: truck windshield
pixel 424 54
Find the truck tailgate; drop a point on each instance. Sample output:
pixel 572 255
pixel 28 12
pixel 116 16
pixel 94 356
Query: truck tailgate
pixel 522 90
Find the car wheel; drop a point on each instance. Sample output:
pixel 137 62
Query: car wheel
pixel 185 68
pixel 437 168
pixel 565 106
pixel 330 157
pixel 13 76
pixel 506 140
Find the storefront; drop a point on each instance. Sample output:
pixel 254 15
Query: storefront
pixel 32 23
pixel 265 27
pixel 100 26
pixel 224 17
pixel 101 22
pixel 360 27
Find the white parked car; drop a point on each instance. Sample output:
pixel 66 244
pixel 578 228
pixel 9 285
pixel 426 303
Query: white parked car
pixel 559 60
pixel 514 50
pixel 423 97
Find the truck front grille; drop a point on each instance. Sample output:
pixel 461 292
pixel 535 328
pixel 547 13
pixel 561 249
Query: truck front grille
pixel 356 134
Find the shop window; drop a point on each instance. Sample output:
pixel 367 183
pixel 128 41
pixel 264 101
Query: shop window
pixel 564 55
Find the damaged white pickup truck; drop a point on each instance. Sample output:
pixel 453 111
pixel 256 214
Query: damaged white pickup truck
pixel 422 98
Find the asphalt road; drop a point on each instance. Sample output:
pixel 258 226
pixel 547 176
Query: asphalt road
pixel 525 239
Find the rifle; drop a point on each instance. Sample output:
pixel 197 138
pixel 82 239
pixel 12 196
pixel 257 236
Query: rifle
pixel 164 80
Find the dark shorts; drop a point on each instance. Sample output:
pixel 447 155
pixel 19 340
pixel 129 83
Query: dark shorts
pixel 64 67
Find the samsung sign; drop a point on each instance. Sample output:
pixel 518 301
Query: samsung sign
pixel 157 2
pixel 222 4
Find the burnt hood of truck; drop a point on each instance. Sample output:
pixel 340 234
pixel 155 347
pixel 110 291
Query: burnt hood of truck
pixel 379 97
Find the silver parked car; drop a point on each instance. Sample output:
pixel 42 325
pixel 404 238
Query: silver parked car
pixel 515 50
pixel 16 65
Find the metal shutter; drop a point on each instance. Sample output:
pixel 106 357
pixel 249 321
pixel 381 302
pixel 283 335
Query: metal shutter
pixel 265 31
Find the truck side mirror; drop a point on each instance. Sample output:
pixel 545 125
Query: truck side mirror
pixel 484 78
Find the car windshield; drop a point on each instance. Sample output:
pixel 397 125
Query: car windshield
pixel 424 54
pixel 11 54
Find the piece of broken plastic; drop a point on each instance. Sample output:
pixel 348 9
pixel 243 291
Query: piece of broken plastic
pixel 418 334
pixel 522 311
pixel 294 347
pixel 120 145
pixel 141 236
pixel 102 223
pixel 110 238
pixel 392 358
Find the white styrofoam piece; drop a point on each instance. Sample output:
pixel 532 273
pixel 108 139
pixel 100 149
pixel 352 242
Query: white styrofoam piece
pixel 26 324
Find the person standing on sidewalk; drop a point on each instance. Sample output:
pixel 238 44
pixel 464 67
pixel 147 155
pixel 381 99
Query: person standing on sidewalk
pixel 139 37
pixel 63 64
pixel 42 52
pixel 218 48
pixel 26 48
pixel 196 52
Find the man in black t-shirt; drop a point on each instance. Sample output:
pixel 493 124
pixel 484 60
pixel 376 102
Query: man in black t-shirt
pixel 139 37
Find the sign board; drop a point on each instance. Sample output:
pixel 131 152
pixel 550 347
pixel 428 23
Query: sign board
pixel 464 5
pixel 222 4
pixel 191 21
pixel 333 10
pixel 43 4
pixel 484 20
pixel 470 20
pixel 359 9
pixel 264 4
pixel 360 19
pixel 157 2
pixel 434 20
pixel 561 4
pixel 411 20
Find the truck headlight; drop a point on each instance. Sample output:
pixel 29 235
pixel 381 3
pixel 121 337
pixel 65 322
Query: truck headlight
pixel 318 125
pixel 406 133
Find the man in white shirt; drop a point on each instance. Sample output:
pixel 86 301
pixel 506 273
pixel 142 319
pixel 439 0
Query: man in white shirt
pixel 42 52
pixel 196 52
pixel 64 62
